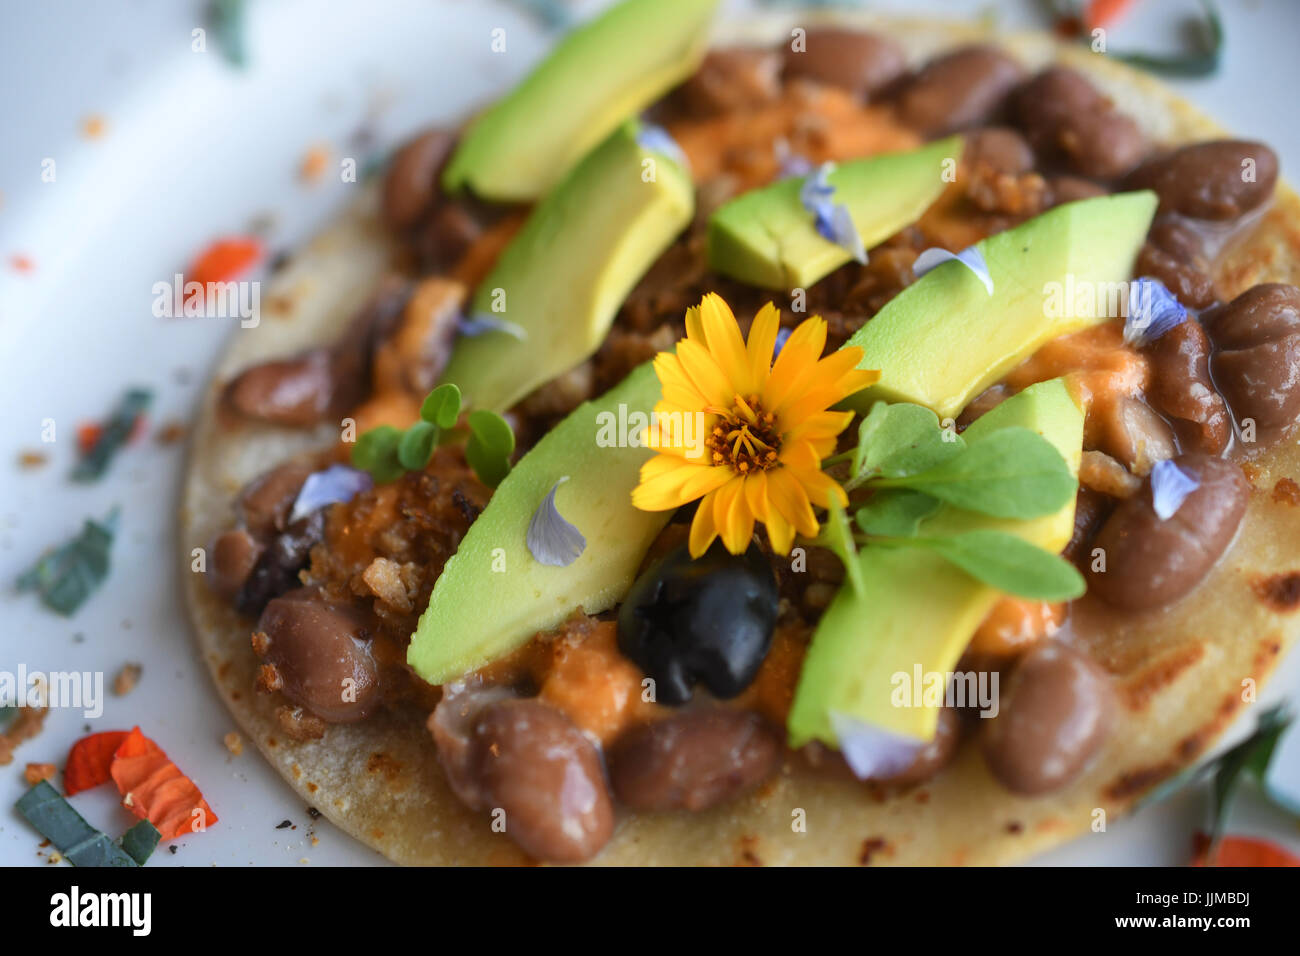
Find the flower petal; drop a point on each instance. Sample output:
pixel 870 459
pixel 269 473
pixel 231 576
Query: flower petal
pixel 788 497
pixel 762 343
pixel 1170 486
pixel 705 374
pixel 703 530
pixel 1152 311
pixel 725 343
pixel 551 539
pixel 970 257
pixel 732 516
pixel 779 532
pixel 794 365
pixel 333 485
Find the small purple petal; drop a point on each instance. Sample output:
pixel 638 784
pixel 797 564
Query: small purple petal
pixel 782 336
pixel 480 324
pixel 551 539
pixel 792 165
pixel 334 485
pixel 831 219
pixel 1152 311
pixel 872 751
pixel 845 234
pixel 656 139
pixel 970 257
pixel 1170 486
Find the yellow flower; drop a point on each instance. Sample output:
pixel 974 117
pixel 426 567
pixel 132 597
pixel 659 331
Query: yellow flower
pixel 765 427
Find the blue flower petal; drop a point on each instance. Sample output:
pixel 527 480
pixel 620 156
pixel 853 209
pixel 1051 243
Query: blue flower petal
pixel 551 539
pixel 656 139
pixel 333 485
pixel 970 257
pixel 792 165
pixel 872 751
pixel 1170 486
pixel 831 219
pixel 1152 311
pixel 481 324
pixel 782 336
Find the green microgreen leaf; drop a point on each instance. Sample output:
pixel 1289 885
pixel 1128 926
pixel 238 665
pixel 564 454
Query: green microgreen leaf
pixel 140 841
pixel 228 25
pixel 115 434
pixel 376 452
pixel 1203 60
pixel 1008 563
pixel 1248 760
pixel 491 443
pixel 896 513
pixel 56 820
pixel 442 406
pixel 837 535
pixel 899 440
pixel 1012 473
pixel 416 445
pixel 68 575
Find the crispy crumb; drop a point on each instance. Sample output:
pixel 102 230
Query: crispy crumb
pixel 128 800
pixel 234 743
pixel 25 726
pixel 56 857
pixel 315 841
pixel 32 459
pixel 126 679
pixel 314 162
pixel 36 772
pixel 93 126
pixel 1286 491
pixel 21 263
pixel 170 433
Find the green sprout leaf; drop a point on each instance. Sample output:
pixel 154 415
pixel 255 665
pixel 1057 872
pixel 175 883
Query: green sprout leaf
pixel 228 24
pixel 1013 473
pixel 896 513
pixel 442 406
pixel 69 574
pixel 116 433
pixel 900 440
pixel 837 535
pixel 491 443
pixel 1009 564
pixel 1249 760
pixel 376 452
pixel 416 445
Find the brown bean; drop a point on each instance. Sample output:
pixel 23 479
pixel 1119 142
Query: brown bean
pixel 414 355
pixel 447 234
pixel 1063 189
pixel 1066 118
pixel 1173 254
pixel 693 760
pixel 234 554
pixel 733 79
pixel 452 727
pixel 935 755
pixel 961 89
pixel 1257 365
pixel 321 652
pixel 860 62
pixel 1181 388
pixel 264 504
pixel 1091 508
pixel 1151 562
pixel 998 148
pixel 537 766
pixel 1217 180
pixel 410 185
pixel 1134 435
pixel 295 392
pixel 1053 716
pixel 277 567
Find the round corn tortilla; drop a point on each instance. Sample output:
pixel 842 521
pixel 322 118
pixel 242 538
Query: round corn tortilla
pixel 1180 671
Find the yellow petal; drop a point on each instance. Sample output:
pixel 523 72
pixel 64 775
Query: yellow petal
pixel 788 498
pixel 795 366
pixel 725 343
pixel 705 375
pixel 732 516
pixel 676 384
pixel 780 532
pixel 703 530
pixel 694 329
pixel 704 479
pixel 821 488
pixel 756 495
pixel 762 341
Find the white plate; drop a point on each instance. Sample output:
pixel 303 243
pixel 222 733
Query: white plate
pixel 192 149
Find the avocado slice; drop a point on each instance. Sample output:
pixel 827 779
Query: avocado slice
pixel 599 75
pixel 767 238
pixel 565 275
pixel 493 595
pixel 944 339
pixel 915 608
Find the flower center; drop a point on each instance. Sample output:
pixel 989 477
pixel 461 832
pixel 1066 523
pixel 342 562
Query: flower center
pixel 745 437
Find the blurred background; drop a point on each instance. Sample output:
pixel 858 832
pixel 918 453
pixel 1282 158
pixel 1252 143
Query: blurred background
pixel 165 127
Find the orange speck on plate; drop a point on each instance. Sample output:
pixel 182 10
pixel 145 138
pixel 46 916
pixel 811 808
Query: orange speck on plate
pixel 22 263
pixel 314 162
pixel 93 126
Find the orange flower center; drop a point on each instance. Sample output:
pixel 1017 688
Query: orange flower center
pixel 745 437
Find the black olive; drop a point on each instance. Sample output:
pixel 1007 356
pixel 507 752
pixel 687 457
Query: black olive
pixel 708 621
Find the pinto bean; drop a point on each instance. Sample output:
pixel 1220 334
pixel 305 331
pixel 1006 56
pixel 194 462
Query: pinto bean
pixel 862 63
pixel 1053 716
pixel 1065 117
pixel 733 79
pixel 1173 254
pixel 538 767
pixel 1217 180
pixel 1134 435
pixel 410 185
pixel 234 555
pixel 1000 149
pixel 1151 562
pixel 447 234
pixel 276 570
pixel 320 656
pixel 295 392
pixel 1181 388
pixel 452 727
pixel 1063 189
pixel 961 89
pixel 935 755
pixel 264 504
pixel 1091 508
pixel 1257 365
pixel 693 760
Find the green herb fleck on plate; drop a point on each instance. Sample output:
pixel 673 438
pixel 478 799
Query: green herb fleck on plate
pixel 69 574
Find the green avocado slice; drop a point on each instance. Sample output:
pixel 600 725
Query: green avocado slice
pixel 564 276
pixel 916 609
pixel 599 75
pixel 493 595
pixel 767 238
pixel 944 339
